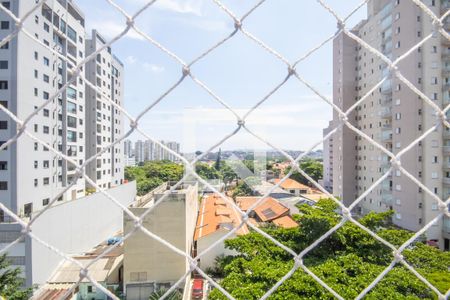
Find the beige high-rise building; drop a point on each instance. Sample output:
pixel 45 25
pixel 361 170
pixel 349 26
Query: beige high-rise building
pixel 393 115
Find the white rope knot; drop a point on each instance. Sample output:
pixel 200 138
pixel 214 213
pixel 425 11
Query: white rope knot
pixel 237 25
pixel 343 118
pixel 83 273
pixel 441 115
pixel 26 230
pixel 291 71
pixel 130 22
pixel 138 223
pixel 346 212
pixel 19 25
pixel 241 122
pixel 298 262
pixel 186 71
pixel 398 257
pixel 341 25
pixel 133 124
pixel 443 208
pixel 395 162
pixel 244 217
pixel 193 264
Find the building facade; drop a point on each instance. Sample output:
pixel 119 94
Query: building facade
pixel 148 264
pixel 393 115
pixel 104 122
pixel 30 74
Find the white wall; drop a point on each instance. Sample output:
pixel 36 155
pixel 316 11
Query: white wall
pixel 74 227
pixel 208 259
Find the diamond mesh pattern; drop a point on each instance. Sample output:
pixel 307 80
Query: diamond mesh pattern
pixel 186 74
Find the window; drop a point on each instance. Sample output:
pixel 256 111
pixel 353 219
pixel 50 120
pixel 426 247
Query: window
pixel 71 34
pixel 5 46
pixel 35 164
pixel 46 78
pixel 46 112
pixel 45 201
pixel 35 182
pixel 46 61
pixel 3 165
pixel 45 95
pixel 46 180
pixel 71 136
pixel 46 129
pixel 46 27
pixel 6 4
pixel 3 125
pixel 4 103
pixel 4 25
pixel 28 209
pixel 71 93
pixel 434 80
pixel 3 84
pixel 71 107
pixel 71 122
pixel 46 164
pixel 3 185
pixel 3 64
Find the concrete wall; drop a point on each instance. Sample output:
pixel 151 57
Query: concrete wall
pixel 75 227
pixel 174 220
pixel 208 259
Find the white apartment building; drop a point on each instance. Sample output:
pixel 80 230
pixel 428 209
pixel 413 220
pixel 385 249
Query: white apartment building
pixel 30 74
pixel 393 115
pixel 104 122
pixel 128 148
pixel 139 151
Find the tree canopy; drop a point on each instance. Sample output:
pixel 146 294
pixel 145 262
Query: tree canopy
pixel 348 261
pixel 153 174
pixel 312 167
pixel 11 283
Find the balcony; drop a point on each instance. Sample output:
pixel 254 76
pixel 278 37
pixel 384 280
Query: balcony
pixel 446 180
pixel 387 198
pixel 446 225
pixel 386 113
pixel 446 150
pixel 386 136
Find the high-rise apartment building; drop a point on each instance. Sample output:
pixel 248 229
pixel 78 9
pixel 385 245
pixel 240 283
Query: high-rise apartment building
pixel 104 122
pixel 127 148
pixel 139 151
pixel 30 74
pixel 393 115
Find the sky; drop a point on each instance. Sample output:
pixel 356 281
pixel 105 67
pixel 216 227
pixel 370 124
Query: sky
pixel 239 71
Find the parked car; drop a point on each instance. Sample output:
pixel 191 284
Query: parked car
pixel 197 289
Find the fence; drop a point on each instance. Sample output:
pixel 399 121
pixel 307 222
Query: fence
pixel 291 74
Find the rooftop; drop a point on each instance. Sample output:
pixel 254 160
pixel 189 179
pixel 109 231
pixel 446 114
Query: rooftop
pixel 268 210
pixel 291 184
pixel 217 214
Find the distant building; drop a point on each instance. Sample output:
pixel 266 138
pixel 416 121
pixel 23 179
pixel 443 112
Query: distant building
pixel 130 161
pixel 148 264
pixel 268 211
pixel 215 219
pixel 139 152
pixel 128 148
pixel 104 122
pixel 327 181
pixel 294 187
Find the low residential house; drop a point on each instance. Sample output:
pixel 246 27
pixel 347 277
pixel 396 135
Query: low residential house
pixel 269 210
pixel 216 218
pixel 107 271
pixel 294 187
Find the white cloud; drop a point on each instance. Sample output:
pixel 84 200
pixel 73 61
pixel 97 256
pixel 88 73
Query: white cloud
pixel 153 68
pixel 131 60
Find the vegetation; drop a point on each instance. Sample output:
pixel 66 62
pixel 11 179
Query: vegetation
pixel 175 295
pixel 312 167
pixel 11 284
pixel 153 174
pixel 348 261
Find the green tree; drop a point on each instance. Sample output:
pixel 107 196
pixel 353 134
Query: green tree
pixel 217 165
pixel 242 189
pixel 11 284
pixel 348 260
pixel 152 174
pixel 206 172
pixel 175 295
pixel 311 167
